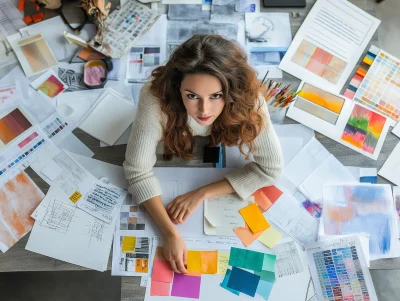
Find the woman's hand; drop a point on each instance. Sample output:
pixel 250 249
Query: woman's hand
pixel 184 205
pixel 175 252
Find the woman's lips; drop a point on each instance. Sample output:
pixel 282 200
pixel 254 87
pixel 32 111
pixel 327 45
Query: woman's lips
pixel 204 118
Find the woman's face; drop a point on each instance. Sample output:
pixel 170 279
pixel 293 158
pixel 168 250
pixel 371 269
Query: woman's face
pixel 202 96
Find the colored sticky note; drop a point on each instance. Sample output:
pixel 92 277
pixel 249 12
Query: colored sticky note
pixel 262 200
pixel 243 281
pixel 209 262
pixel 254 218
pixel 186 286
pixel 128 244
pixel 224 283
pixel 270 237
pixel 194 261
pixel 269 262
pixel 142 265
pixel 158 288
pixel 272 193
pixel 246 259
pixel 162 271
pixel 76 196
pixel 245 235
pixel 266 276
pixel 264 289
pixel 223 259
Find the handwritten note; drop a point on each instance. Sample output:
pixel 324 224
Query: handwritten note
pixel 223 259
pixel 103 201
pixel 222 211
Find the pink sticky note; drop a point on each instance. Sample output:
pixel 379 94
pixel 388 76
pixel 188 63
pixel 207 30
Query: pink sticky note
pixel 162 271
pixel 159 288
pixel 186 286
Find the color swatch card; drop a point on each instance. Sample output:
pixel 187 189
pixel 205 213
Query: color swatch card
pixel 339 270
pixel 337 117
pixel 362 208
pixel 380 88
pixel 13 123
pixel 322 51
pixel 49 84
pixel 123 28
pixel 33 52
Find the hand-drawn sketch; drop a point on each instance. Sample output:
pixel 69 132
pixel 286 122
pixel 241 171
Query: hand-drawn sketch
pixel 288 260
pixel 95 230
pixel 58 216
pixel 258 32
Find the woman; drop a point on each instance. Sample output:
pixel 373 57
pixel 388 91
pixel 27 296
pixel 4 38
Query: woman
pixel 207 88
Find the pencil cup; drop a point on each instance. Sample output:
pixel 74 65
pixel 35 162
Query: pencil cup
pixel 277 115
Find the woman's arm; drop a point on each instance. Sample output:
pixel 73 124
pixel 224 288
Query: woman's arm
pixel 174 246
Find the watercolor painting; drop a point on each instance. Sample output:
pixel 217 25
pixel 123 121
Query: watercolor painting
pixel 363 129
pixel 37 53
pixel 319 103
pixel 313 208
pixel 19 197
pixel 12 125
pixel 356 208
pixel 51 87
pixel 319 61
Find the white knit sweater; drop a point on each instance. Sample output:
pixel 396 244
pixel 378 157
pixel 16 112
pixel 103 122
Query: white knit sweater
pixel 147 131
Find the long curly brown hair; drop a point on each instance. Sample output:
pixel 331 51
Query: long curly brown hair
pixel 241 119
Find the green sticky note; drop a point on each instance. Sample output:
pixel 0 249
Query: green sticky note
pixel 266 276
pixel 246 259
pixel 269 262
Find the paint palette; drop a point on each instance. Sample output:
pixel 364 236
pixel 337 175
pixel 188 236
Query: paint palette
pixel 380 89
pixel 319 61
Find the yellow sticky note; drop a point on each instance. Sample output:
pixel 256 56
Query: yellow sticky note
pixel 194 261
pixel 209 262
pixel 75 197
pixel 254 218
pixel 223 260
pixel 128 244
pixel 270 237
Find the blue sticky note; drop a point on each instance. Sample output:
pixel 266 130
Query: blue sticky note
pixel 243 281
pixel 225 283
pixel 266 276
pixel 269 262
pixel 264 289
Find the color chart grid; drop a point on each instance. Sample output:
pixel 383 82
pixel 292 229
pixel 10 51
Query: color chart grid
pixel 340 275
pixel 380 89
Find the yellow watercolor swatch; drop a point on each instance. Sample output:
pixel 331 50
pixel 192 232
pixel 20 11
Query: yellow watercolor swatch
pixel 254 218
pixel 322 98
pixel 223 260
pixel 270 237
pixel 128 244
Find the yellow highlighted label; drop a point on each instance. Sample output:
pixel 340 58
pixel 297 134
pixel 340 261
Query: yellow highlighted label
pixel 128 244
pixel 76 196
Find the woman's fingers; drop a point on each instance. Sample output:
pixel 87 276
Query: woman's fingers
pixel 180 265
pixel 173 266
pixel 180 218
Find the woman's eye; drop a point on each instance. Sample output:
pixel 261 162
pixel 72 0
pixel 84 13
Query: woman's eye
pixel 217 96
pixel 192 96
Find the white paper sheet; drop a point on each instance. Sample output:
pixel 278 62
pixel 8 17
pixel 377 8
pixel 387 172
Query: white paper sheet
pixel 348 251
pixel 396 197
pixel 335 125
pixel 306 161
pixel 103 201
pixel 65 232
pixel 107 127
pixel 72 144
pixel 331 170
pixel 10 18
pixel 291 217
pixel 123 140
pixel 396 130
pixel 391 169
pixel 341 31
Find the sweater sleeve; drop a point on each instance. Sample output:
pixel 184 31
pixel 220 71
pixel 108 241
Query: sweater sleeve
pixel 268 163
pixel 140 155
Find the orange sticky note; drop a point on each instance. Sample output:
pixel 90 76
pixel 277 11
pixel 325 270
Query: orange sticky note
pixel 245 235
pixel 254 218
pixel 194 261
pixel 142 265
pixel 262 200
pixel 209 262
pixel 272 193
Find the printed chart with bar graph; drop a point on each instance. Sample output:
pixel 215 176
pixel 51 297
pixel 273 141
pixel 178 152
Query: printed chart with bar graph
pixel 380 89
